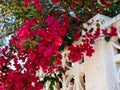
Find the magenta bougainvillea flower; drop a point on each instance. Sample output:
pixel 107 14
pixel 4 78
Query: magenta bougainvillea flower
pixel 39 41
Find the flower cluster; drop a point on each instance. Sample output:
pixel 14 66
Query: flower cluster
pixel 111 32
pixel 39 41
pixel 37 47
pixel 77 52
pixel 36 3
pixel 105 2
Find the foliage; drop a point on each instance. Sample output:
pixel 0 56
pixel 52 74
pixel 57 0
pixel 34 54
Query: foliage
pixel 41 30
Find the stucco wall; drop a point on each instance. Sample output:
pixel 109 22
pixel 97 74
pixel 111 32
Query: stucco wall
pixel 99 72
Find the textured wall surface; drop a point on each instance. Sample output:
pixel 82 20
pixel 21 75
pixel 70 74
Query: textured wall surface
pixel 99 69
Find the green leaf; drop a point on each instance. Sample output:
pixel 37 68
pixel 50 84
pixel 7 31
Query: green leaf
pixel 82 14
pixel 51 87
pixel 56 78
pixel 52 60
pixel 97 25
pixel 74 26
pixel 91 30
pixel 69 39
pixel 107 38
pixel 27 47
pixel 61 47
pixel 60 75
pixel 112 1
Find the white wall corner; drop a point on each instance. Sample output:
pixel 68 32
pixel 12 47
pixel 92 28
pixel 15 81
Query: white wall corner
pixel 99 72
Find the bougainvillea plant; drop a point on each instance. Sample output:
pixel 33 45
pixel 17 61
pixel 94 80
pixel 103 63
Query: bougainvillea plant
pixel 45 28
